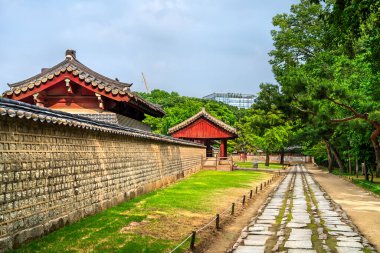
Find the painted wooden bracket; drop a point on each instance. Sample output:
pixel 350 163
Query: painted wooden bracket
pixel 38 99
pixel 68 86
pixel 100 100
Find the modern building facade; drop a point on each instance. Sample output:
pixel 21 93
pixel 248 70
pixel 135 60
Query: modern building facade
pixel 235 99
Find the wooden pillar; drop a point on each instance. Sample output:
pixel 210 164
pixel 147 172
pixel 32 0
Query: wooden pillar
pixel 208 148
pixel 223 148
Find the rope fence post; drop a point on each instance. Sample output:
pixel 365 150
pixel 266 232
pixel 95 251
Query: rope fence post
pixel 233 209
pixel 243 202
pixel 256 189
pixel 250 193
pixel 261 186
pixel 192 242
pixel 217 222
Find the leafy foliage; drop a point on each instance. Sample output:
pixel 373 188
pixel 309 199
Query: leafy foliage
pixel 179 108
pixel 326 62
pixel 262 127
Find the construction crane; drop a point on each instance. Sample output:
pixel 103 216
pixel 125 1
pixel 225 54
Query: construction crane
pixel 145 83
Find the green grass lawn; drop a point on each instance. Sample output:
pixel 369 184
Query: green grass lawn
pixel 371 186
pixel 261 165
pixel 154 222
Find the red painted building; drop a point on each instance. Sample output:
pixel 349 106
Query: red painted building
pixel 204 128
pixel 72 87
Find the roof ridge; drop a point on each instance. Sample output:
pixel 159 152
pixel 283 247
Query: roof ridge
pixel 39 75
pixel 77 64
pixel 100 76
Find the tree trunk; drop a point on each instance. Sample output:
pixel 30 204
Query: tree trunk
pixel 364 168
pixel 375 134
pixel 375 143
pixel 349 164
pixel 282 157
pixel 329 155
pixel 267 158
pixel 337 159
pixel 357 168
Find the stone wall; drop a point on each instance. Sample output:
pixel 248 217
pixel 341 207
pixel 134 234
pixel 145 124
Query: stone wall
pixel 52 175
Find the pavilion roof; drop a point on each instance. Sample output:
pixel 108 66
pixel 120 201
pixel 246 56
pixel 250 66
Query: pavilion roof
pixel 206 115
pixel 90 77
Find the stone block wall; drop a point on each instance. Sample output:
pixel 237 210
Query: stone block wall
pixel 52 175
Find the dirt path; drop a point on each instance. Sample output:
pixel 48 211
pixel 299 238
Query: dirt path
pixel 227 236
pixel 362 207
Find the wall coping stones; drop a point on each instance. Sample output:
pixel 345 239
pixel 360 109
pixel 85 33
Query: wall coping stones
pixel 12 108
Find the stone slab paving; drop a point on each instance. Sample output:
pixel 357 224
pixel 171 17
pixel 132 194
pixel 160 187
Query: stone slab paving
pixel 296 212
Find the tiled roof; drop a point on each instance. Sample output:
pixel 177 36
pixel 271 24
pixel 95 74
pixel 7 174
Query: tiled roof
pixel 206 115
pixel 90 77
pixel 13 108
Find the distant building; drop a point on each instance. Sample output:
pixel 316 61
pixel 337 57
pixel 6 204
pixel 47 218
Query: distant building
pixel 204 128
pixel 235 99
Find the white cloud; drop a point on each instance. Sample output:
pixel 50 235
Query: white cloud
pixel 194 47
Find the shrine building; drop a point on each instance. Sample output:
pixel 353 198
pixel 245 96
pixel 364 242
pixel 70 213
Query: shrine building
pixel 205 129
pixel 72 87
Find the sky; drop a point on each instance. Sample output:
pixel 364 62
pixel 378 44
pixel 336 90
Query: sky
pixel 194 47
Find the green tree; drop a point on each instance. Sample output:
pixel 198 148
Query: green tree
pixel 329 82
pixel 179 108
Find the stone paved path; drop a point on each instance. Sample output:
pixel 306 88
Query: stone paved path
pixel 300 217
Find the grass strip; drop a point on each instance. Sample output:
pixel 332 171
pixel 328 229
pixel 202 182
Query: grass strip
pixel 360 181
pixel 160 219
pixel 260 165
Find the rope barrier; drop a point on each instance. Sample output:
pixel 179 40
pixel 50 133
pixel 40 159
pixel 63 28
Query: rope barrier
pixel 205 226
pixel 179 245
pixel 215 218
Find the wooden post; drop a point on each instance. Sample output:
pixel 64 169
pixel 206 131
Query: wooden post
pixel 223 148
pixel 261 186
pixel 250 193
pixel 256 189
pixel 192 242
pixel 243 202
pixel 233 209
pixel 217 221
